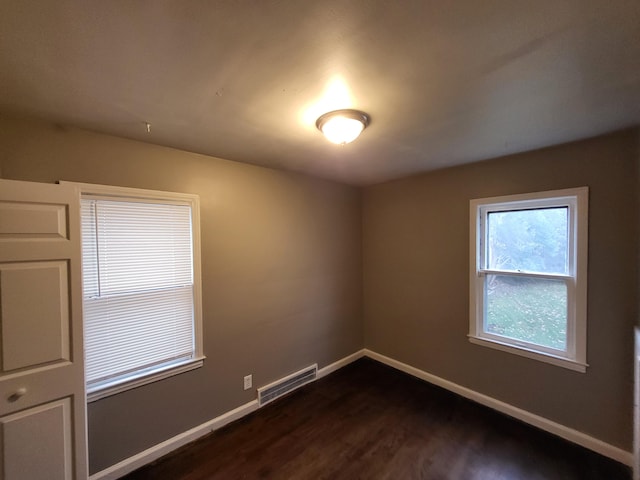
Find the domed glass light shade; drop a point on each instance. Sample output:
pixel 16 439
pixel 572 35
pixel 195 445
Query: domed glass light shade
pixel 342 126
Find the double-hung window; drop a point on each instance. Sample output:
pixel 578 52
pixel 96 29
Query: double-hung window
pixel 141 286
pixel 528 276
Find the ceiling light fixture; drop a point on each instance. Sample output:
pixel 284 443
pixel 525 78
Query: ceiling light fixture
pixel 342 126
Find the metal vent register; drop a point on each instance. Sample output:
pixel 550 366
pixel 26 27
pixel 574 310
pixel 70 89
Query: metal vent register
pixel 281 387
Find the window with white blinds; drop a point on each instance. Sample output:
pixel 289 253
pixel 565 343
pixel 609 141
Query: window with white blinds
pixel 138 291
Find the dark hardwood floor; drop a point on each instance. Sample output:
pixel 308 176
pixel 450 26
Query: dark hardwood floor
pixel 368 421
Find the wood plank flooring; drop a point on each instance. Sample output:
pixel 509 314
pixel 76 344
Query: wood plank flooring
pixel 368 421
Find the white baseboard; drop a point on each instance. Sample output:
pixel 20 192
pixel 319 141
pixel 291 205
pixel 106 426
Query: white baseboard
pixel 562 431
pixel 324 371
pixel 130 464
pixel 150 454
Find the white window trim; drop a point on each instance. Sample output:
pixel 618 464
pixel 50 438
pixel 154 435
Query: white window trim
pixel 144 378
pixel 155 374
pixel 577 199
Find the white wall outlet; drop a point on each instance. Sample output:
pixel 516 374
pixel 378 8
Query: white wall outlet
pixel 248 381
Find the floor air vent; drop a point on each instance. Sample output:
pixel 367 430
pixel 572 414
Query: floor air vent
pixel 281 387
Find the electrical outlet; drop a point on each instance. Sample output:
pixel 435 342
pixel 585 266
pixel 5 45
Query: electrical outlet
pixel 248 380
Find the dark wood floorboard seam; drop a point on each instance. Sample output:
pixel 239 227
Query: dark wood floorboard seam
pixel 369 421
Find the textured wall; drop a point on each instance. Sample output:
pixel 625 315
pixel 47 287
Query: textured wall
pixel 281 273
pixel 416 281
pixel 282 269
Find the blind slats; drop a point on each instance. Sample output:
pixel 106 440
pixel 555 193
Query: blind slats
pixel 137 285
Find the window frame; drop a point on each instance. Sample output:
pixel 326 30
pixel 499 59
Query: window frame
pixel 576 200
pixel 150 375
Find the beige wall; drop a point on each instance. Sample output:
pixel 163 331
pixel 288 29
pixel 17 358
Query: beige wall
pixel 283 267
pixel 281 273
pixel 416 268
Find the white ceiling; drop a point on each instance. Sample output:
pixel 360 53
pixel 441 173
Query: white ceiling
pixel 445 81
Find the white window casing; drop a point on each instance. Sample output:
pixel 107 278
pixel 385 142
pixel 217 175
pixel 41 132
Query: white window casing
pixel 573 356
pixel 141 284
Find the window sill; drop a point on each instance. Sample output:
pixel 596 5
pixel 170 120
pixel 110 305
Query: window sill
pixel 574 365
pixel 143 379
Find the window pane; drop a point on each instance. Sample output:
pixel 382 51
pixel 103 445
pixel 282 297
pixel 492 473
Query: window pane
pixel 89 250
pixel 138 288
pixel 529 240
pixel 530 309
pixel 127 333
pixel 142 246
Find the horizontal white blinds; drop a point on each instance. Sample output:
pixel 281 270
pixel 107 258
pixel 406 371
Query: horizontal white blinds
pixel 138 288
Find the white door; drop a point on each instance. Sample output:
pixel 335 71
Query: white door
pixel 42 403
